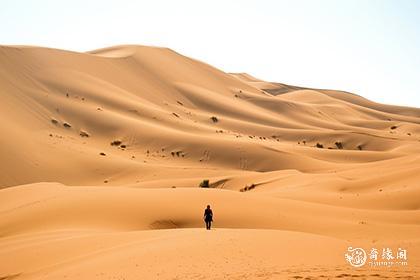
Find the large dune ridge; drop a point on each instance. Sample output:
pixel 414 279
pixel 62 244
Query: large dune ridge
pixel 102 154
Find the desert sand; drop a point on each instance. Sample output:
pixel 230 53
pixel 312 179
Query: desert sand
pixel 102 154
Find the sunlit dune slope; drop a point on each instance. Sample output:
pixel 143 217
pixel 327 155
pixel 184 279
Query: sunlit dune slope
pixel 102 154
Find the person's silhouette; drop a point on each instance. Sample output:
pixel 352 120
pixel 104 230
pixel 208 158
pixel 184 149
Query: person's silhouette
pixel 208 217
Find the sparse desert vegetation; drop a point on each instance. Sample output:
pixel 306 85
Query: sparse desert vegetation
pixel 339 145
pixel 247 188
pixel 205 184
pixel 116 143
pixel 132 158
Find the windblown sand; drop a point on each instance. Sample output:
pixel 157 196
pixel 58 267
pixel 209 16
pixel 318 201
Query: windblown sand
pixel 102 153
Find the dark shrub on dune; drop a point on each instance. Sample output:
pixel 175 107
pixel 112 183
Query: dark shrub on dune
pixel 205 184
pixel 339 145
pixel 116 143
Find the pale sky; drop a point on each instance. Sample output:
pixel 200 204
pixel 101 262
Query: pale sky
pixel 369 47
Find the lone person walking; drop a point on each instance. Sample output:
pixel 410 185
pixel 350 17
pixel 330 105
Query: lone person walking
pixel 208 217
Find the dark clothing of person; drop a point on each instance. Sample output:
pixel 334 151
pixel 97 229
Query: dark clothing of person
pixel 208 215
pixel 208 218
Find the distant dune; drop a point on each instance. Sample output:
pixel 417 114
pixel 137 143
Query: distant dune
pixel 102 154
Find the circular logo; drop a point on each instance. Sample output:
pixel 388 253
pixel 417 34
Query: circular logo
pixel 356 256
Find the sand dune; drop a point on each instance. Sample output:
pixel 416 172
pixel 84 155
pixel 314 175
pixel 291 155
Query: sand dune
pixel 102 154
